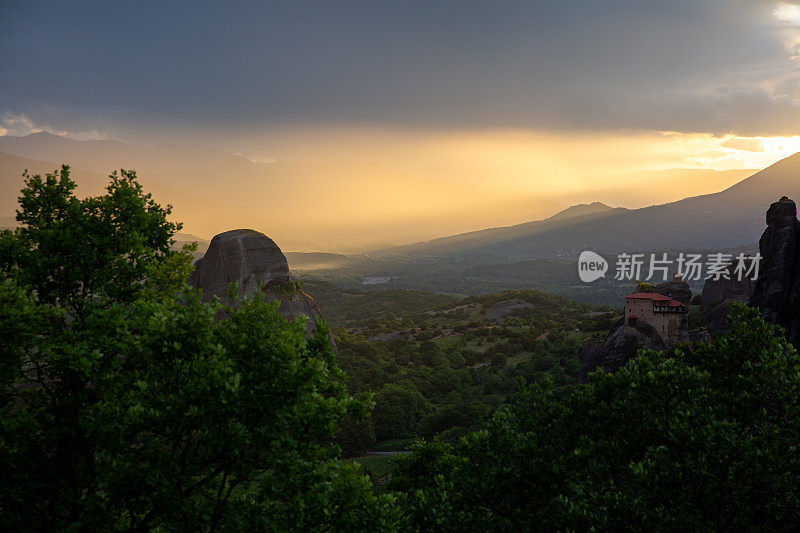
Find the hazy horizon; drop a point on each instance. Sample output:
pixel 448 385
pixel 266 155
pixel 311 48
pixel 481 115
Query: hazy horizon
pixel 361 125
pixel 504 209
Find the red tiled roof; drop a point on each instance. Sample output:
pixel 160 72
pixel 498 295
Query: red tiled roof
pixel 647 296
pixel 655 297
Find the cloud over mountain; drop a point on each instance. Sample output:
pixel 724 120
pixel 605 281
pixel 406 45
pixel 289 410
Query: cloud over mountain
pixel 691 66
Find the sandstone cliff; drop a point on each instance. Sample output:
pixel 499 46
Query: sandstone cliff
pixel 252 260
pixel 677 289
pixel 777 291
pixel 718 296
pixel 625 340
pixel 619 347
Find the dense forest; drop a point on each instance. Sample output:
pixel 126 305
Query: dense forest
pixel 125 405
pixel 441 366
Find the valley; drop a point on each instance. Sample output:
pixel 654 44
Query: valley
pixel 442 365
pixel 400 267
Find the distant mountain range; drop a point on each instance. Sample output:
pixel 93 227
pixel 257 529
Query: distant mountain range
pixel 581 210
pixel 729 218
pixel 206 184
pixel 538 254
pixel 302 205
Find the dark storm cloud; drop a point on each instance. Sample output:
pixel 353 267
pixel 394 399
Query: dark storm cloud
pixel 714 65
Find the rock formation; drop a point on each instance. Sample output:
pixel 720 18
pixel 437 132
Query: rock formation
pixel 625 340
pixel 777 290
pixel 718 296
pixel 619 347
pixel 252 260
pixel 677 289
pixel 776 293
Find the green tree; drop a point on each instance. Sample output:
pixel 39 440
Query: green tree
pixel 703 439
pixel 398 409
pixel 80 254
pixel 642 286
pixel 125 405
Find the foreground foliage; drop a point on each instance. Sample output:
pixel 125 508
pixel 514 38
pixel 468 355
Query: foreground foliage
pixel 706 439
pixel 124 405
pixel 446 370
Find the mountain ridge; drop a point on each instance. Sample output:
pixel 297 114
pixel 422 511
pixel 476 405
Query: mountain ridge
pixel 266 194
pixel 722 219
pixel 580 210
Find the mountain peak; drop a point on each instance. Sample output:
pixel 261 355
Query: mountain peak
pixel 580 210
pixel 40 135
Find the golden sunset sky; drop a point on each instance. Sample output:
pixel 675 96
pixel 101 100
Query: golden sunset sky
pixel 385 123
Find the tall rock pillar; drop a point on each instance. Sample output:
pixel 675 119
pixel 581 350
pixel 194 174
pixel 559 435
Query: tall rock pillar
pixel 777 290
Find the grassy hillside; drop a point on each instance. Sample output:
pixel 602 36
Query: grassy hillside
pixel 346 307
pixel 466 278
pixel 441 365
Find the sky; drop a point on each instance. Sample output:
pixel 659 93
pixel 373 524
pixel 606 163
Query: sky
pixel 542 103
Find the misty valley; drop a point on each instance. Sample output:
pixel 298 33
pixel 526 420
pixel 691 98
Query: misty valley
pixel 399 266
pixel 395 389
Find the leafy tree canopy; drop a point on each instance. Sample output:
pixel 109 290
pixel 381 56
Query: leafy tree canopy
pixel 705 438
pixel 125 405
